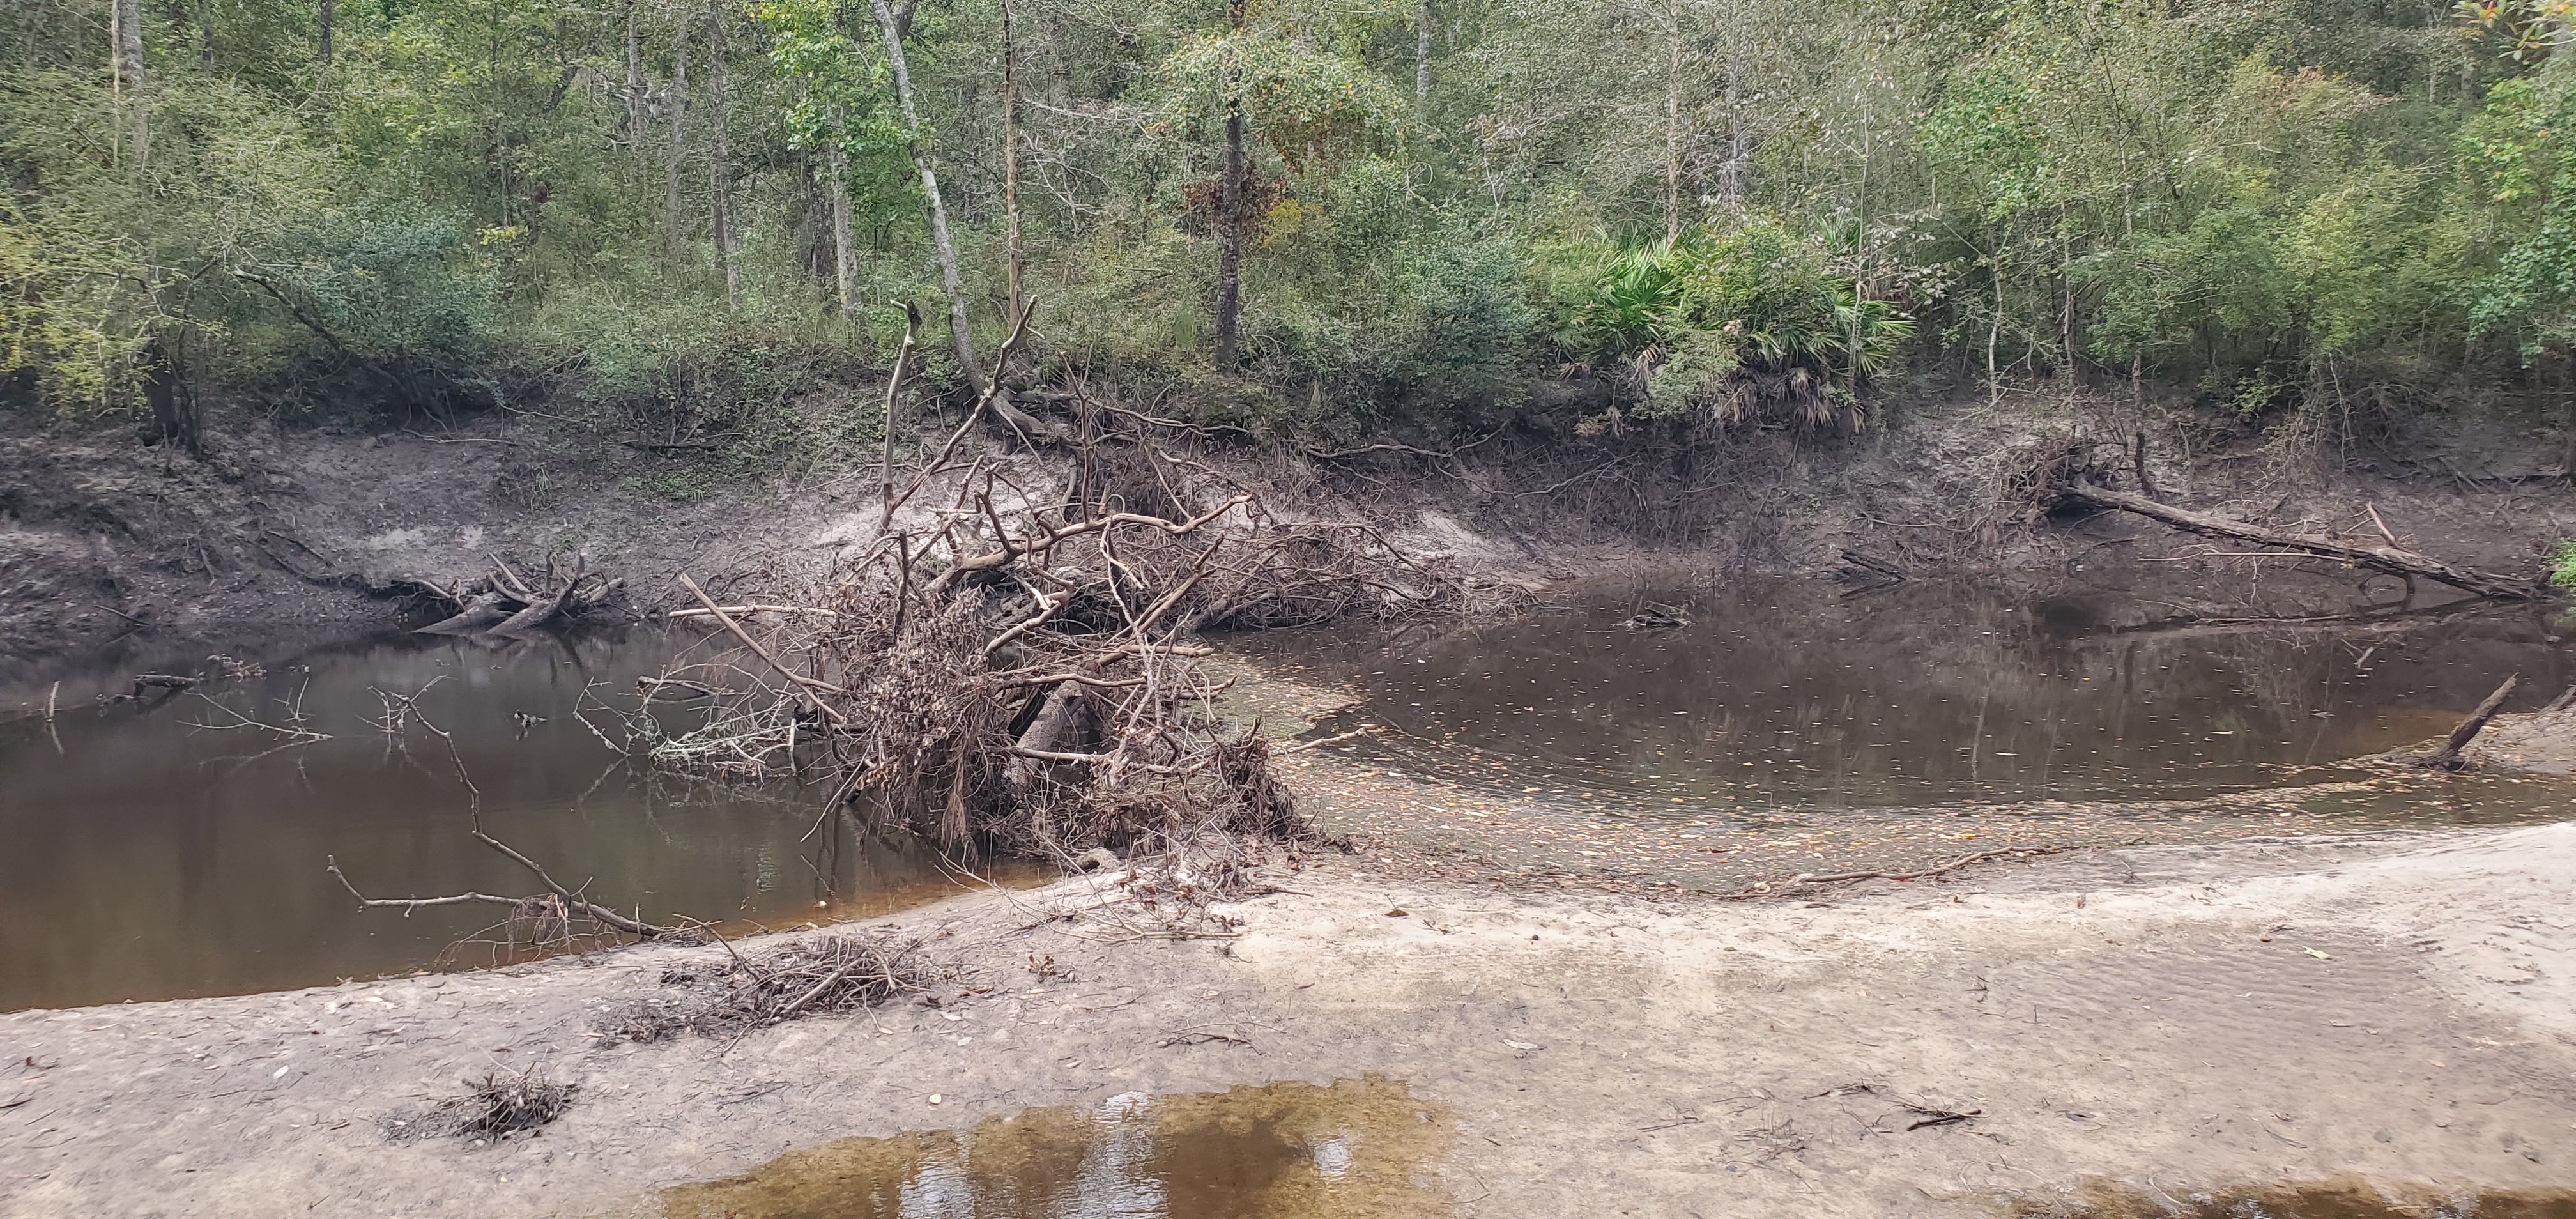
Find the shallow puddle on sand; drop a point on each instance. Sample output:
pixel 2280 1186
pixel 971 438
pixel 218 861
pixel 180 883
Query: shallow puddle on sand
pixel 2343 1199
pixel 1348 1151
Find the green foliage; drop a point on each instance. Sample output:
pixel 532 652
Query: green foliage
pixel 68 326
pixel 2520 153
pixel 380 279
pixel 1698 376
pixel 1732 322
pixel 1632 306
pixel 1305 101
pixel 1465 319
pixel 1768 285
pixel 2268 202
pixel 2562 565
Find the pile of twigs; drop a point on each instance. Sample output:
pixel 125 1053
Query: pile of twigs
pixel 835 973
pixel 1015 670
pixel 499 1104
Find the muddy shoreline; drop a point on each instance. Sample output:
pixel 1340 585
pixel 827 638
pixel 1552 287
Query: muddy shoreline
pixel 113 551
pixel 2394 1007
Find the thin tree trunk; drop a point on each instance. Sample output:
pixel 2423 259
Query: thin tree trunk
pixel 939 241
pixel 322 20
pixel 2066 307
pixel 671 213
pixel 845 271
pixel 1994 327
pixel 1739 138
pixel 1422 56
pixel 634 84
pixel 1673 132
pixel 204 21
pixel 125 34
pixel 1860 259
pixel 1229 230
pixel 720 155
pixel 1011 157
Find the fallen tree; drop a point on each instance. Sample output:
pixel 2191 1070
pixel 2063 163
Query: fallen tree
pixel 2448 756
pixel 504 603
pixel 1015 672
pixel 2080 492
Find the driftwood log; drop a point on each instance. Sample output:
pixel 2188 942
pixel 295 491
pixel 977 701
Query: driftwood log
pixel 503 603
pixel 2448 756
pixel 2389 559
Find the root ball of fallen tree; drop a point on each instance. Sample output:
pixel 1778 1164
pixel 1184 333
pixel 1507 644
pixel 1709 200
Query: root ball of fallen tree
pixel 1016 672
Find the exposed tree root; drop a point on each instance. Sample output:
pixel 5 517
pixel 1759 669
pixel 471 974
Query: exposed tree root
pixel 1015 674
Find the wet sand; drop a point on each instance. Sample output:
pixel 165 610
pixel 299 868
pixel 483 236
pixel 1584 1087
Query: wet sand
pixel 2399 1007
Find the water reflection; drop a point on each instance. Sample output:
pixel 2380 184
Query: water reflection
pixel 1287 1149
pixel 169 848
pixel 1783 694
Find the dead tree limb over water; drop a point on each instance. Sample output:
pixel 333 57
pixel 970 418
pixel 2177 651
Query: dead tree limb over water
pixel 2081 493
pixel 2448 756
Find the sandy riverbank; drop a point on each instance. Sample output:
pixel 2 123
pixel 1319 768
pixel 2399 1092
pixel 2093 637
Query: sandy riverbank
pixel 2399 1007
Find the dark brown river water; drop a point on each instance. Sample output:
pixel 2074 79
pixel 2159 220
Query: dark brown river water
pixel 1800 696
pixel 147 851
pixel 161 848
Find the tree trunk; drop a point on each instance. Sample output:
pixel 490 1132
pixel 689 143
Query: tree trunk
pixel 845 271
pixel 1995 328
pixel 634 84
pixel 1860 261
pixel 1673 131
pixel 1739 137
pixel 1422 57
pixel 125 37
pixel 671 213
pixel 204 21
pixel 174 403
pixel 2389 559
pixel 1060 712
pixel 322 21
pixel 939 241
pixel 1229 229
pixel 720 154
pixel 2448 756
pixel 1011 158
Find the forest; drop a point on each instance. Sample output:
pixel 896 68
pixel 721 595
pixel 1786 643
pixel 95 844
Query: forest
pixel 1334 221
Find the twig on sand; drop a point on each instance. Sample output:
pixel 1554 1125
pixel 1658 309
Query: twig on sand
pixel 1806 878
pixel 1335 739
pixel 754 990
pixel 501 1103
